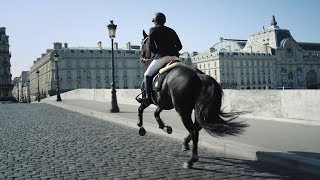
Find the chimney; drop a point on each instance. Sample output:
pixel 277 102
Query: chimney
pixel 100 45
pixel 43 54
pixel 57 45
pixel 115 46
pixel 65 45
pixel 128 45
pixel 194 53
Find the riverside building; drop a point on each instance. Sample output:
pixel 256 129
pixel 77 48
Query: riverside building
pixel 86 67
pixel 5 72
pixel 269 59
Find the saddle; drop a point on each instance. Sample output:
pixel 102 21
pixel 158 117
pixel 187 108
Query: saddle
pixel 162 73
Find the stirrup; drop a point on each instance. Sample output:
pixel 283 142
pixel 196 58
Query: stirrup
pixel 145 101
pixel 139 100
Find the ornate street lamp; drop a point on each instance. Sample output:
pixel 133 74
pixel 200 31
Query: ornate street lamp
pixel 38 96
pixel 56 59
pixel 112 34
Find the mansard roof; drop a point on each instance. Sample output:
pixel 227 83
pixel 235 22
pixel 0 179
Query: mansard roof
pixel 281 34
pixel 240 42
pixel 309 46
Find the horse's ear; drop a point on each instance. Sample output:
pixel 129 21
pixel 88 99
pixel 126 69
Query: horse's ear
pixel 144 34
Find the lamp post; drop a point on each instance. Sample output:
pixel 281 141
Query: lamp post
pixel 56 59
pixel 28 90
pixel 38 96
pixel 112 34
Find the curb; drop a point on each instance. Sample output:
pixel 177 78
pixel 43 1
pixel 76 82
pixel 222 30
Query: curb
pixel 226 147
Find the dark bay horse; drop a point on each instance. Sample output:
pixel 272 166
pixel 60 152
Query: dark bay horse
pixel 186 89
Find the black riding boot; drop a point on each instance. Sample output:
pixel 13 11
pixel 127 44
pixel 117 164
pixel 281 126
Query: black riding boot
pixel 148 100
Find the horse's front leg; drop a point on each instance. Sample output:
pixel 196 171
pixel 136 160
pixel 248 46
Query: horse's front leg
pixel 160 122
pixel 142 131
pixel 157 116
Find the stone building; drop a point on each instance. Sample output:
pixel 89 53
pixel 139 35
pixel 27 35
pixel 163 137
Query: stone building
pixel 5 72
pixel 86 67
pixel 269 59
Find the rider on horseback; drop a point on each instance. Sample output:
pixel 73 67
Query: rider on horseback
pixel 165 45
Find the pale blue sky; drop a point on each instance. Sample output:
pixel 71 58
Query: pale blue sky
pixel 33 25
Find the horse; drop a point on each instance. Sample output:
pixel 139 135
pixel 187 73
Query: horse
pixel 187 89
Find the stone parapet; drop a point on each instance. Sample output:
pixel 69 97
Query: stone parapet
pixel 297 105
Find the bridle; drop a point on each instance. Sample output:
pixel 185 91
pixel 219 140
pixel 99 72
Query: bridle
pixel 144 60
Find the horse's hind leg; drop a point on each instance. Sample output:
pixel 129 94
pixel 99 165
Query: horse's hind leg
pixel 185 145
pixel 185 115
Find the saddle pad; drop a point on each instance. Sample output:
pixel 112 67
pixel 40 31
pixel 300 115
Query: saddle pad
pixel 171 66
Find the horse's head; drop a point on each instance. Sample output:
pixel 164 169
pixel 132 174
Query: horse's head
pixel 145 51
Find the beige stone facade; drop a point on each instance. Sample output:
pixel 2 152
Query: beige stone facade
pixel 269 59
pixel 86 67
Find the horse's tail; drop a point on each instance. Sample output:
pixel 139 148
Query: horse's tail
pixel 208 110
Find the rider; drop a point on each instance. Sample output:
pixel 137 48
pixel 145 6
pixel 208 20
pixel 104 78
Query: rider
pixel 165 45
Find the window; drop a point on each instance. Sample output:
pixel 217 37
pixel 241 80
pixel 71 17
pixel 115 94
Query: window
pixel 98 73
pixel 78 74
pixel 88 74
pixel 87 63
pixel 68 63
pixel 78 63
pixel 106 74
pixel 69 74
pixel 97 63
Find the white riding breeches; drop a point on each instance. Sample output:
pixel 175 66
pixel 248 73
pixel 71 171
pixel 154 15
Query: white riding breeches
pixel 156 64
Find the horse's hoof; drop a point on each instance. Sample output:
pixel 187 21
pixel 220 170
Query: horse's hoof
pixel 185 147
pixel 195 158
pixel 142 131
pixel 169 129
pixel 139 124
pixel 187 166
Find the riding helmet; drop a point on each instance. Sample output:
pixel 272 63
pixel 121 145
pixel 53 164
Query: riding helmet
pixel 159 18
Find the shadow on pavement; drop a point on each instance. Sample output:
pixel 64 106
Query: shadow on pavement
pixel 225 167
pixel 301 161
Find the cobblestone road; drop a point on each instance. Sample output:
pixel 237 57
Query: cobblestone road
pixel 40 141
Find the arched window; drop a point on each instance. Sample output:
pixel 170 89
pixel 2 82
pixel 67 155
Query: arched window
pixel 290 75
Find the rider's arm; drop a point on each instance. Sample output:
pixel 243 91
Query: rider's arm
pixel 152 42
pixel 177 42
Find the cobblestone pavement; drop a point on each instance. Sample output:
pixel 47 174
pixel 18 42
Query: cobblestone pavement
pixel 40 141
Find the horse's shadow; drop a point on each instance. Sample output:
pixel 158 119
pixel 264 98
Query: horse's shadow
pixel 236 167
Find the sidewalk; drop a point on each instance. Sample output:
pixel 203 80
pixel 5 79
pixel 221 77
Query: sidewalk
pixel 286 144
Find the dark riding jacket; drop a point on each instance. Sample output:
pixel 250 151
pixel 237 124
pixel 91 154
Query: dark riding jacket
pixel 164 41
